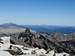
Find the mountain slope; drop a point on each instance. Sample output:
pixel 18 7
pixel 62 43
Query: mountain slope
pixel 11 28
pixel 11 25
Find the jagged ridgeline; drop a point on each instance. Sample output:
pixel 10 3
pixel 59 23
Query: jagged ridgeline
pixel 46 41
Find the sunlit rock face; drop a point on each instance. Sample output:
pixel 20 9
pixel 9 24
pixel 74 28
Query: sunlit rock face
pixel 62 54
pixel 5 43
pixel 5 53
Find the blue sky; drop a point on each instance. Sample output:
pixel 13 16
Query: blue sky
pixel 48 12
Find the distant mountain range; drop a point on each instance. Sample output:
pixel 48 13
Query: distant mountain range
pixel 40 28
pixel 11 25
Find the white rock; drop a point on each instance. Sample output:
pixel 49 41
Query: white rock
pixel 5 53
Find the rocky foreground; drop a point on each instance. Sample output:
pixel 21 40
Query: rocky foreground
pixel 29 43
pixel 8 49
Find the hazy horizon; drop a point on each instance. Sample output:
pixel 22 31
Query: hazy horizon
pixel 38 12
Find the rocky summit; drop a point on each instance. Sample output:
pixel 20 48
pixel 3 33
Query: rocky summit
pixel 32 42
pixel 43 40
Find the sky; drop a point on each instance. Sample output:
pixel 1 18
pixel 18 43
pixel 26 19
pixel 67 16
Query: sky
pixel 38 12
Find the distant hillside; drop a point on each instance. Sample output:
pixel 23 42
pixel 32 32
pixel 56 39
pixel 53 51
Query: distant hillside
pixel 39 28
pixel 11 28
pixel 11 25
